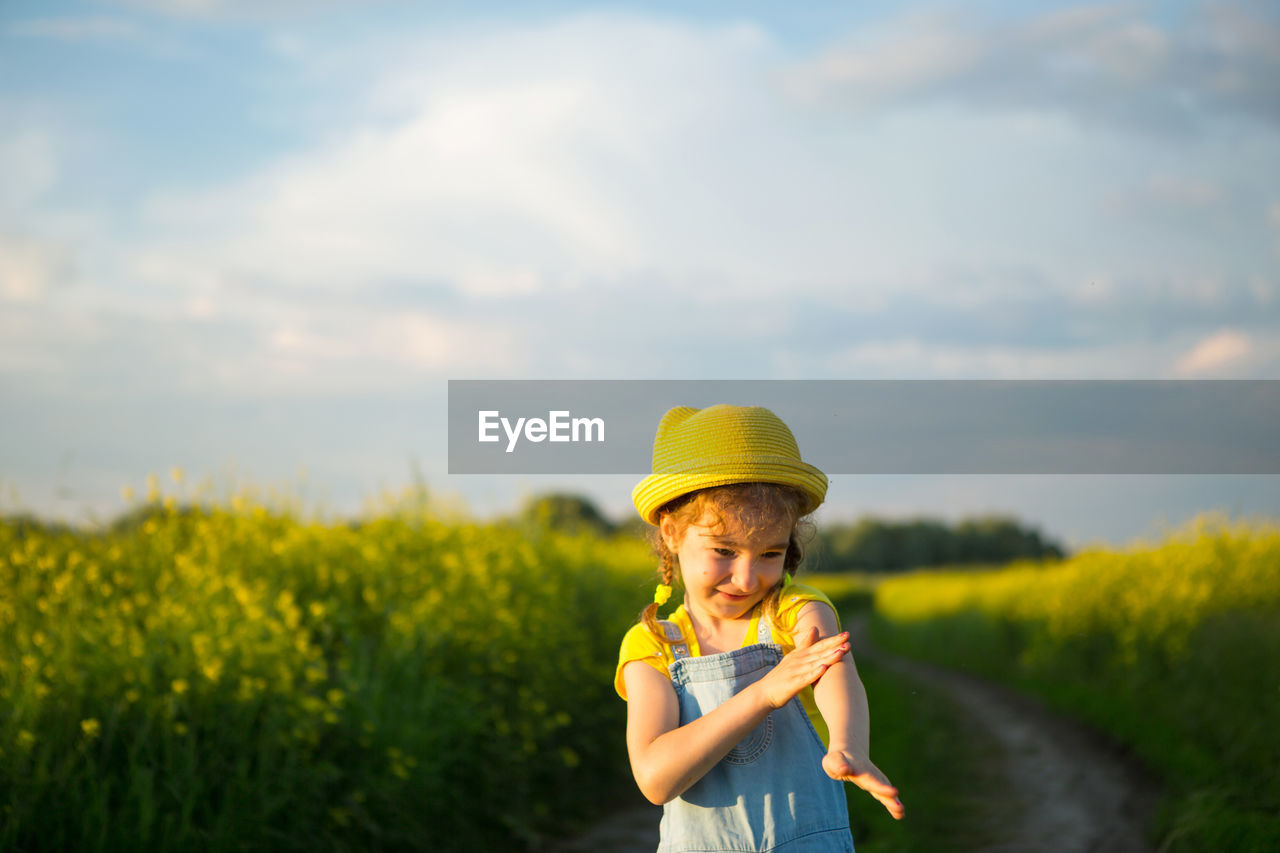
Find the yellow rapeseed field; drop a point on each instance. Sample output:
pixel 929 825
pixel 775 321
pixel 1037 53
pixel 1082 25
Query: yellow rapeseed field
pixel 235 676
pixel 1172 647
pixel 1147 597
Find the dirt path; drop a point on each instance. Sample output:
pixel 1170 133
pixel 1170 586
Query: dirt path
pixel 1071 793
pixel 632 830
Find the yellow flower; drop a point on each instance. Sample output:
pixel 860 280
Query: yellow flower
pixel 91 727
pixel 179 686
pixel 26 740
pixel 212 669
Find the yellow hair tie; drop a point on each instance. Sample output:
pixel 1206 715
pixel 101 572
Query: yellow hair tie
pixel 662 593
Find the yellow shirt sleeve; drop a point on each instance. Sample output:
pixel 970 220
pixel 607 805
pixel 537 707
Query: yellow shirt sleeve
pixel 640 644
pixel 793 600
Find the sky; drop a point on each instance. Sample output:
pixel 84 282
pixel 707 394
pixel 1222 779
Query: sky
pixel 254 240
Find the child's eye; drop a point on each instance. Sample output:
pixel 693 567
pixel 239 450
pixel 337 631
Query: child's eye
pixel 724 552
pixel 773 555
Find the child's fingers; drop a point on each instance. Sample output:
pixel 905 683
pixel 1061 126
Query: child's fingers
pixel 824 654
pixel 886 794
pixel 893 805
pixel 816 660
pixel 825 645
pixel 875 787
pixel 832 648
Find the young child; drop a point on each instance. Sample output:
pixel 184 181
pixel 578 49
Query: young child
pixel 717 730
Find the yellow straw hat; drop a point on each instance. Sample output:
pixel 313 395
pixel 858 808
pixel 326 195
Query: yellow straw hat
pixel 719 445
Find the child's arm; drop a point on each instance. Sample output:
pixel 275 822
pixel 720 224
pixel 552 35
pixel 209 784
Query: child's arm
pixel 842 700
pixel 667 758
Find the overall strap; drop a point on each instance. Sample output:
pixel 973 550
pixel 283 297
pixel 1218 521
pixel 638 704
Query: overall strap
pixel 678 648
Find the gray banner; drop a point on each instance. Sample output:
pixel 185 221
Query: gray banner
pixel 883 426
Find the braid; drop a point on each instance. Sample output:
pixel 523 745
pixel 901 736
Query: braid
pixel 667 571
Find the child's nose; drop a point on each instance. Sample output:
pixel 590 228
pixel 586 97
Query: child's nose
pixel 744 574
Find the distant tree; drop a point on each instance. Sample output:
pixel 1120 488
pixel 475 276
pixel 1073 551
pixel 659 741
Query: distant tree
pixel 633 527
pixel 26 523
pixel 873 545
pixel 571 513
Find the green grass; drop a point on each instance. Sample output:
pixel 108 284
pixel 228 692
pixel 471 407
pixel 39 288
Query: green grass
pixel 939 759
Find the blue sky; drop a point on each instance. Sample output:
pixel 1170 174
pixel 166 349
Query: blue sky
pixel 252 239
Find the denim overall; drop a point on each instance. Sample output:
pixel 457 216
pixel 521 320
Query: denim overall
pixel 770 792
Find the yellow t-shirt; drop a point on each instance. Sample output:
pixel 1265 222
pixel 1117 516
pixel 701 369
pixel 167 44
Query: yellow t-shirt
pixel 641 645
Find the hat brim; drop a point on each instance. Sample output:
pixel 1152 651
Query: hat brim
pixel 656 490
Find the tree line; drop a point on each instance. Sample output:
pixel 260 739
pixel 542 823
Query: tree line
pixel 865 545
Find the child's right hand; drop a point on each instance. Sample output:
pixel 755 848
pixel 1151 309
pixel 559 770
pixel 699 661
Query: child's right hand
pixel 803 666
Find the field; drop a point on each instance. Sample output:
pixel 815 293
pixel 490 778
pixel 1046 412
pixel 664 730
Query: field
pixel 1173 649
pixel 234 677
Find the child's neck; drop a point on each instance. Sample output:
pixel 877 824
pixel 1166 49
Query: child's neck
pixel 717 635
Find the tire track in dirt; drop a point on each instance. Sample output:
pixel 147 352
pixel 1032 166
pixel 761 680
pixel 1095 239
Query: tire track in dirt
pixel 1071 792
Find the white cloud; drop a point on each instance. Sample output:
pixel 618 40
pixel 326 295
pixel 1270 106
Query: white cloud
pixel 909 357
pixel 601 150
pixel 484 188
pixel 555 199
pixel 606 149
pixel 1098 62
pixel 539 160
pixel 1219 353
pixel 917 53
pixel 29 268
pixel 415 340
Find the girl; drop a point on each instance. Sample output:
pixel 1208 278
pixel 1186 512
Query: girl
pixel 717 730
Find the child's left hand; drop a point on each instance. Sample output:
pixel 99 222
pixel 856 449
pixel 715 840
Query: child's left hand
pixel 844 766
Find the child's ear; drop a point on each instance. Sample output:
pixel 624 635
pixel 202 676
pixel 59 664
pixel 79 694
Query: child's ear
pixel 667 528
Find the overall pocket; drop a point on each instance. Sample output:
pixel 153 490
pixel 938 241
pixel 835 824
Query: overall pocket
pixel 753 745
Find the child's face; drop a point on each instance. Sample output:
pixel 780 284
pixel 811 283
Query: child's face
pixel 726 570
